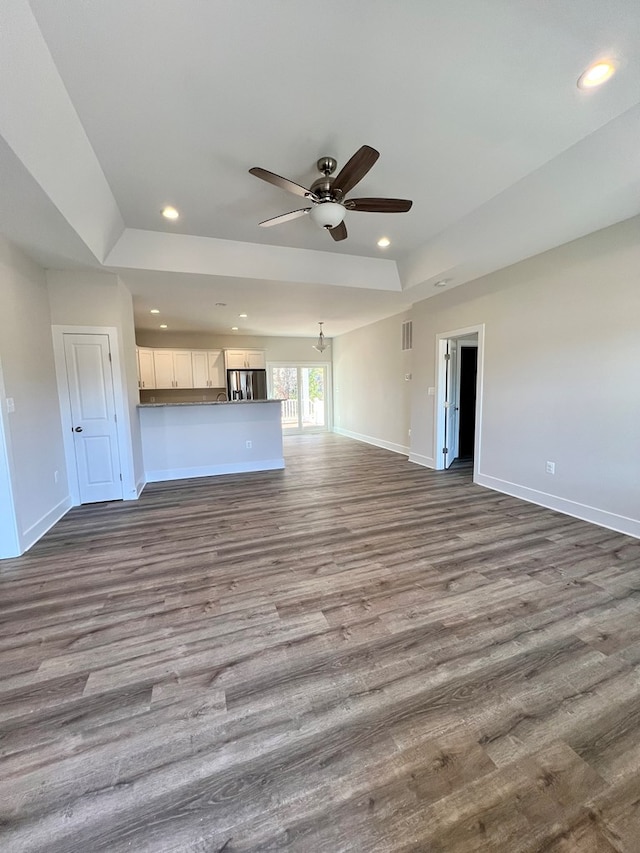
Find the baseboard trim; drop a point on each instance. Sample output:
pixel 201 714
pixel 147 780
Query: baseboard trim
pixel 37 530
pixel 425 461
pixel 377 442
pixel 139 487
pixel 214 470
pixel 601 517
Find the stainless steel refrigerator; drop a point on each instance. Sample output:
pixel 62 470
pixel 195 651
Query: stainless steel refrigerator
pixel 247 384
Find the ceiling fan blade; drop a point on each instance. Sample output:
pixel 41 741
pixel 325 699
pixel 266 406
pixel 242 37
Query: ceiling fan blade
pixel 354 170
pixel 285 217
pixel 339 232
pixel 379 205
pixel 283 183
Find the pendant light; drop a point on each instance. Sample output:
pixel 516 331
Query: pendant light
pixel 320 345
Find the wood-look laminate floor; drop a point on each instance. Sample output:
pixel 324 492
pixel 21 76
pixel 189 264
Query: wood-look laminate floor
pixel 355 654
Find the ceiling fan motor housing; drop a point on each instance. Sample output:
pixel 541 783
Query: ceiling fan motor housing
pixel 322 188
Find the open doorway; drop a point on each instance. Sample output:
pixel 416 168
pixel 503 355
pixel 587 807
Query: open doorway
pixel 458 397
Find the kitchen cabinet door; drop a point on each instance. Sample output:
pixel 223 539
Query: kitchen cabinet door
pixel 251 359
pixel 163 368
pixel 235 359
pixel 200 365
pixel 146 373
pixel 255 359
pixel 182 369
pixel 216 369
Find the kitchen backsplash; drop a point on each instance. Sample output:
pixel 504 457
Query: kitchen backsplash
pixel 182 395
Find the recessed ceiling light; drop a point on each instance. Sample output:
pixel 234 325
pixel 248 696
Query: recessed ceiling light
pixel 442 283
pixel 154 311
pixel 234 328
pixel 163 325
pixel 170 212
pixel 244 316
pixel 597 74
pixel 383 242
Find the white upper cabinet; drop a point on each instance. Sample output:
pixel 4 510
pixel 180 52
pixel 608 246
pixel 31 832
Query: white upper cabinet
pixel 146 372
pixel 200 365
pixel 182 369
pixel 167 368
pixel 163 366
pixel 208 369
pixel 173 368
pixel 217 376
pixel 252 359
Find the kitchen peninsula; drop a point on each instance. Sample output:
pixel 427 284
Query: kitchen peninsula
pixel 182 440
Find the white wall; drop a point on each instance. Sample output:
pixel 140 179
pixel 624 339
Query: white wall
pixel 370 393
pixel 128 362
pixel 9 539
pixel 32 435
pixel 562 348
pixel 83 298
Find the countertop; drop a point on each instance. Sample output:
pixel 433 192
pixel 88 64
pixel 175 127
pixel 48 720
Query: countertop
pixel 205 403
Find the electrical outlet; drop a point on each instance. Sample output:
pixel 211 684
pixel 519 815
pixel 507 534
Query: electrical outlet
pixel 249 445
pixel 11 406
pixel 551 468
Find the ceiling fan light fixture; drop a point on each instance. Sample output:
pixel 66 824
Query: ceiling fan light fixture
pixel 320 345
pixel 328 214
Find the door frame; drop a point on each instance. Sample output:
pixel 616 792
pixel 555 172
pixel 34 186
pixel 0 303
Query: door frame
pixel 119 397
pixel 463 343
pixel 439 415
pixel 328 391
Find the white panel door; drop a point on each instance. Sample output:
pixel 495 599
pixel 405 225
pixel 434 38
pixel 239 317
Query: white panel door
pixel 451 404
pixel 93 417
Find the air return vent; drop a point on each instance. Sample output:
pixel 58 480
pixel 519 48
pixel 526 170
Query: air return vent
pixel 407 335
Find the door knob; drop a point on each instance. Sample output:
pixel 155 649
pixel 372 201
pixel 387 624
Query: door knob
pixel 78 429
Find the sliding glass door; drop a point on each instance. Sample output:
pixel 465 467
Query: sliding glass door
pixel 302 390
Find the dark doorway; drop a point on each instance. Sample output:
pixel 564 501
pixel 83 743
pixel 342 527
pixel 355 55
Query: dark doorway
pixel 467 411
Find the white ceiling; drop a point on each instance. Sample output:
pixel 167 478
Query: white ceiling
pixel 473 105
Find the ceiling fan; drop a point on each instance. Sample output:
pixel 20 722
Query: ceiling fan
pixel 327 194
